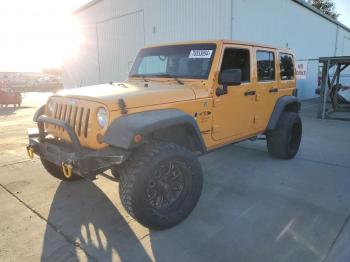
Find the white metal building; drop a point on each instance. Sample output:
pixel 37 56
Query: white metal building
pixel 114 31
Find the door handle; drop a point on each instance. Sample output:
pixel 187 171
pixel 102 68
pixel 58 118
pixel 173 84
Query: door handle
pixel 250 93
pixel 273 90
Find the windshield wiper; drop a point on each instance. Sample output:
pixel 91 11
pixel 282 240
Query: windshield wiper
pixel 160 75
pixel 171 76
pixel 142 76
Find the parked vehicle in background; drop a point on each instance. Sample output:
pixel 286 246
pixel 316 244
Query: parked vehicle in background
pixel 9 97
pixel 48 83
pixel 31 82
pixel 180 101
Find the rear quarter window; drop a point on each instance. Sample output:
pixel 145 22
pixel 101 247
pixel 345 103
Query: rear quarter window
pixel 286 66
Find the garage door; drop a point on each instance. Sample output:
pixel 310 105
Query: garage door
pixel 119 40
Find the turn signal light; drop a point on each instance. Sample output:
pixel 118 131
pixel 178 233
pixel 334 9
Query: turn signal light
pixel 137 138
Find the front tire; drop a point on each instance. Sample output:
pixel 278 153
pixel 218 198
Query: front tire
pixel 57 172
pixel 160 184
pixel 284 141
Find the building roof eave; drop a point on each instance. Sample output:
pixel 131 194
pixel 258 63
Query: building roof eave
pixel 86 6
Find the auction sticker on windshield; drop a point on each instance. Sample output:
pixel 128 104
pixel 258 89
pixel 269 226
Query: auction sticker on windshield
pixel 200 54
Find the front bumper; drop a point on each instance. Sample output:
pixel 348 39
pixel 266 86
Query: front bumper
pixel 72 156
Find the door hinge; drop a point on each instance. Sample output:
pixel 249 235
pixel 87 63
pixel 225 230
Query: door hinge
pixel 257 97
pixel 255 122
pixel 215 129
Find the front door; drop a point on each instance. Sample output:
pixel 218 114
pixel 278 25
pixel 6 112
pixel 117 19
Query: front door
pixel 234 112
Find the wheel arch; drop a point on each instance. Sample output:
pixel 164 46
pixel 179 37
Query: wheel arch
pixel 40 111
pixel 283 104
pixel 169 125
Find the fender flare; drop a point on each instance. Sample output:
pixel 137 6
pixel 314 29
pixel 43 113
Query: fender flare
pixel 121 132
pixel 40 111
pixel 285 103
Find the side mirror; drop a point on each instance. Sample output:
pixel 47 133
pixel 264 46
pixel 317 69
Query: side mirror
pixel 229 77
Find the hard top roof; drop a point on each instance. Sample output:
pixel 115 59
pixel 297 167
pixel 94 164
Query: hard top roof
pixel 223 41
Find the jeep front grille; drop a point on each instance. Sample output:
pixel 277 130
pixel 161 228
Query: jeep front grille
pixel 77 116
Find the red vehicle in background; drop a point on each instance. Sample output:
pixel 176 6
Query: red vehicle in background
pixel 9 97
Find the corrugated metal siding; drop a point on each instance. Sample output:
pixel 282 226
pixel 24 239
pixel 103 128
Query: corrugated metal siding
pixel 346 46
pixel 183 20
pixel 119 40
pixel 107 9
pixel 284 23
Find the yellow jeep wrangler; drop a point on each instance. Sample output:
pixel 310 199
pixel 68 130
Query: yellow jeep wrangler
pixel 180 101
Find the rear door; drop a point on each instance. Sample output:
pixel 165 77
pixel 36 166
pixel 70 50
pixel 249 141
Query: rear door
pixel 286 73
pixel 267 85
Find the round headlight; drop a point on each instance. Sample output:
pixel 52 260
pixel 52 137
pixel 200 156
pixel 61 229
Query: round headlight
pixel 50 107
pixel 102 117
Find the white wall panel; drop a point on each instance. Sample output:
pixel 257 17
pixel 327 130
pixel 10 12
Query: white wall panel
pixel 107 9
pixel 119 40
pixel 184 20
pixel 284 23
pixel 346 46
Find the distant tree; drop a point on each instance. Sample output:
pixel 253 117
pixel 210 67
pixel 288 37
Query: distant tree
pixel 325 6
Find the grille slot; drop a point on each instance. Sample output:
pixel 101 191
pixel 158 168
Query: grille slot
pixel 69 112
pixel 74 117
pixel 64 111
pixel 63 115
pixel 80 118
pixel 58 115
pixel 86 122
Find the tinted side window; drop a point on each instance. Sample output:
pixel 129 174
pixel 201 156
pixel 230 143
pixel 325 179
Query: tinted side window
pixel 265 65
pixel 237 59
pixel 287 67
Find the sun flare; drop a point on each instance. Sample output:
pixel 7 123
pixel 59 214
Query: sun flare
pixel 37 34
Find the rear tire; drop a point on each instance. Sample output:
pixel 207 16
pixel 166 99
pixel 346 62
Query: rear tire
pixel 284 141
pixel 57 172
pixel 160 184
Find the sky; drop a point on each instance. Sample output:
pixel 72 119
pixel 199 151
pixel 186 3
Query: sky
pixel 35 34
pixel 343 7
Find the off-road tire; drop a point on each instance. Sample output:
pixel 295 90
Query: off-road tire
pixel 284 141
pixel 138 179
pixel 56 171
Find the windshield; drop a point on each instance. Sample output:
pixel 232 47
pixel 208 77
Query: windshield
pixel 182 61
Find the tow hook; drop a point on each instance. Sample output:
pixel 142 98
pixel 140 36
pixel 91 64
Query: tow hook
pixel 30 151
pixel 67 168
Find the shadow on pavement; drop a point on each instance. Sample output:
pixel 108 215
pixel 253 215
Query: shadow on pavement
pixel 5 111
pixel 84 214
pixel 11 110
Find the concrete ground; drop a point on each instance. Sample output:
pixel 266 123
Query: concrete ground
pixel 253 207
